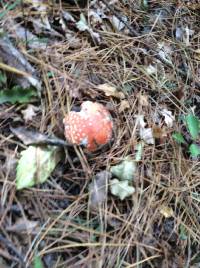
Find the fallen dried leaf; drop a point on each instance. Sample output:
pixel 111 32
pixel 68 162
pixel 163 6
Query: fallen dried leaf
pixel 140 121
pixel 169 118
pixel 14 58
pixel 22 226
pixel 165 51
pixel 146 134
pixel 118 24
pixel 29 112
pixel 83 26
pixel 29 137
pixel 124 105
pixel 111 91
pixel 179 33
pixel 187 35
pixel 98 188
pixel 166 211
pixel 82 23
pixel 150 69
pixel 143 99
pixel 159 133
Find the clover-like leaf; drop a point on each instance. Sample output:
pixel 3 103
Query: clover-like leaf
pixel 125 170
pixel 193 125
pixel 178 137
pixel 194 150
pixel 121 188
pixel 36 164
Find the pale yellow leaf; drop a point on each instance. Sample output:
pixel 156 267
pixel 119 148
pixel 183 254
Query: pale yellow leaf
pixel 166 211
pixel 124 105
pixel 143 100
pixel 111 91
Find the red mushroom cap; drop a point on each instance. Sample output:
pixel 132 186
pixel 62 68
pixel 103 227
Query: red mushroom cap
pixel 91 127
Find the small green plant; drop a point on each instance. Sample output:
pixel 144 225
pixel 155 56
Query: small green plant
pixel 37 263
pixel 9 6
pixel 182 232
pixel 192 124
pixel 17 94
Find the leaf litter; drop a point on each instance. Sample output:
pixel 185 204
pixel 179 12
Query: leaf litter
pixel 125 46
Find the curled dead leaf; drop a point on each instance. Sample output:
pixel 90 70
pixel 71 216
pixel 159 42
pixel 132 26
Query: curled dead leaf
pixel 98 188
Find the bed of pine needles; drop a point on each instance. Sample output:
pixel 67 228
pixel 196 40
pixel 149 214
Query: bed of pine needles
pixel 61 227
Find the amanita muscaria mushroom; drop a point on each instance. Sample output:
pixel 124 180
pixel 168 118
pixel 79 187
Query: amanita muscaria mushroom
pixel 91 127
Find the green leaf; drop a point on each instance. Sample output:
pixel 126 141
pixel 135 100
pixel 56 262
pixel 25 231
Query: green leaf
pixel 9 7
pixel 194 150
pixel 127 88
pixel 139 152
pixel 37 263
pixel 182 233
pixel 125 170
pixel 178 137
pixel 3 78
pixel 50 74
pixel 17 94
pixel 193 125
pixel 82 23
pixel 36 164
pixel 144 5
pixel 196 196
pixel 121 189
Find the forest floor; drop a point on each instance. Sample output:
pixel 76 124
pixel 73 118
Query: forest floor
pixel 140 59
